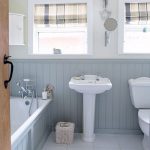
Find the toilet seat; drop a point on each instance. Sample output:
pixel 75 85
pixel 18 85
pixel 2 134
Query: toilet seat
pixel 144 120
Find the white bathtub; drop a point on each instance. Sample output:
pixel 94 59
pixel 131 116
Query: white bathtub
pixel 22 123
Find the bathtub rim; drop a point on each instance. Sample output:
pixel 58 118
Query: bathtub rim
pixel 27 125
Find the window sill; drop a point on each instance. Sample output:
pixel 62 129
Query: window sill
pixel 61 56
pixel 127 53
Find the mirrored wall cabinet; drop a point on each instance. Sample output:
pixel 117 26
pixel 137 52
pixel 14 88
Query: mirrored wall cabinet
pixel 16 29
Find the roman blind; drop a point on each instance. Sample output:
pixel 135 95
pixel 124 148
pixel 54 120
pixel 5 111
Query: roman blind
pixel 137 13
pixel 60 14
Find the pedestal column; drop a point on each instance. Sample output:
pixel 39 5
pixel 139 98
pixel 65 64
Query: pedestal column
pixel 88 117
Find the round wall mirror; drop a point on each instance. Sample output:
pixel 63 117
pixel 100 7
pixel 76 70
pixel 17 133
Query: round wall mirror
pixel 110 24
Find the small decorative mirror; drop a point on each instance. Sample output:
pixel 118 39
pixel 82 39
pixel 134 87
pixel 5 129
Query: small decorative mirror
pixel 110 24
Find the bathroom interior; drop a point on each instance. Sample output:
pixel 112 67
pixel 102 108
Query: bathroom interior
pixel 79 75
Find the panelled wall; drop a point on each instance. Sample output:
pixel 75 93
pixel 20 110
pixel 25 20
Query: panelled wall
pixel 114 111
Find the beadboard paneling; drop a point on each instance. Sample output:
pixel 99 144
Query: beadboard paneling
pixel 114 111
pixel 37 132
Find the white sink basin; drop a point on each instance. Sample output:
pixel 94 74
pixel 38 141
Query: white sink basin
pixel 89 85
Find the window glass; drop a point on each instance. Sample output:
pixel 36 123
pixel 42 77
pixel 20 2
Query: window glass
pixel 137 27
pixel 60 28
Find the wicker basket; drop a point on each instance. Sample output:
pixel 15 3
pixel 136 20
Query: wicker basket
pixel 64 132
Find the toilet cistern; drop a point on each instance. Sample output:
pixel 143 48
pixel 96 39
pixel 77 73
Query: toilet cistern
pixel 89 86
pixel 140 98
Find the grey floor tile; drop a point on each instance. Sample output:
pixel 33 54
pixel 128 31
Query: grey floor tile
pixel 102 142
pixel 106 140
pixel 130 142
pixel 80 144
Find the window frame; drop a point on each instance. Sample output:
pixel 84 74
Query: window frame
pixel 121 28
pixel 121 20
pixel 90 30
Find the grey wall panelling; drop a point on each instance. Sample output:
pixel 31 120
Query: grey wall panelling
pixel 114 111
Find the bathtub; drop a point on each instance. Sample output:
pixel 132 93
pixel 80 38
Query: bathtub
pixel 29 130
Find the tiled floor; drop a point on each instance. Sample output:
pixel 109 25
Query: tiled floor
pixel 102 142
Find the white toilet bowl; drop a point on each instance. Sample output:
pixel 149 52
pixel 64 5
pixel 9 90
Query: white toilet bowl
pixel 144 122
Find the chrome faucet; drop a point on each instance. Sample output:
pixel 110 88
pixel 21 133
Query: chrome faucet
pixel 27 90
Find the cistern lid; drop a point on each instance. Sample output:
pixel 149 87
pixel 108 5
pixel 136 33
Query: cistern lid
pixel 144 81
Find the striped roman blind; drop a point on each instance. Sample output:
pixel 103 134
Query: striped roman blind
pixel 137 13
pixel 60 14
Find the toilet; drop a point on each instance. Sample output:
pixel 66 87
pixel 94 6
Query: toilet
pixel 140 97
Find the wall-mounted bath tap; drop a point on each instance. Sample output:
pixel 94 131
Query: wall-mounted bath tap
pixel 26 88
pixel 28 91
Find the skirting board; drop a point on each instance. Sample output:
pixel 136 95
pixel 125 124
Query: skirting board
pixel 112 131
pixel 117 131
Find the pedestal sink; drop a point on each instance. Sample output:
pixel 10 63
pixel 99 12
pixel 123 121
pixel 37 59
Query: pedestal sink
pixel 89 85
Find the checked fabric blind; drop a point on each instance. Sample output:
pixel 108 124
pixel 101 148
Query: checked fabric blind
pixel 53 15
pixel 137 13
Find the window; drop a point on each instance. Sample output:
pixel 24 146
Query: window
pixel 135 32
pixel 59 27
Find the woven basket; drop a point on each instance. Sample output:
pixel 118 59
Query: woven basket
pixel 65 132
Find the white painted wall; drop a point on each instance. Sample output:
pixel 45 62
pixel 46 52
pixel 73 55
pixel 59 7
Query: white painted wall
pixel 99 50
